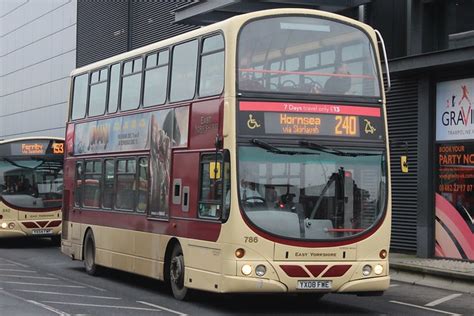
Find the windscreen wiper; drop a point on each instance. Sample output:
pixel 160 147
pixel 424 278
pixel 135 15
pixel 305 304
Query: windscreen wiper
pixel 334 151
pixel 276 150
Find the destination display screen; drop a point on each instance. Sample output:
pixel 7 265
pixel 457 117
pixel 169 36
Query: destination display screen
pixel 304 119
pixel 36 147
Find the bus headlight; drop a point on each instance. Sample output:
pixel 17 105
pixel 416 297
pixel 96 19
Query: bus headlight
pixel 366 270
pixel 11 225
pixel 246 269
pixel 378 269
pixel 260 270
pixel 4 225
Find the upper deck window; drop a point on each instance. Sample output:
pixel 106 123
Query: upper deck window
pixel 114 88
pixel 211 80
pixel 79 98
pixel 184 67
pixel 156 78
pixel 131 84
pixel 296 54
pixel 98 92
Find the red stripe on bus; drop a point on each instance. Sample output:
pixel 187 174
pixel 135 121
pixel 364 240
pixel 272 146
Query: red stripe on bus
pixel 345 230
pixel 54 224
pixel 294 271
pixel 306 73
pixel 309 108
pixel 30 225
pixel 337 271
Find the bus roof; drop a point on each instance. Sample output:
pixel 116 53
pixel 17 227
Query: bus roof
pixel 12 140
pixel 227 25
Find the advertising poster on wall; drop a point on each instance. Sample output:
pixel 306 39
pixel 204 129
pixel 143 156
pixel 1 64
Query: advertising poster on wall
pixel 454 200
pixel 454 110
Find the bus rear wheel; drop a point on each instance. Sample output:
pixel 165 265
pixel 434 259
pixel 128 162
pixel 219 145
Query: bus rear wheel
pixel 89 254
pixel 176 273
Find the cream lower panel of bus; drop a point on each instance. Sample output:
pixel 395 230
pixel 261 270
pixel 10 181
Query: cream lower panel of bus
pixel 128 250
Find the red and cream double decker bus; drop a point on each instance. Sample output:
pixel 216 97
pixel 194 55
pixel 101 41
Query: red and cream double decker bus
pixel 31 187
pixel 246 156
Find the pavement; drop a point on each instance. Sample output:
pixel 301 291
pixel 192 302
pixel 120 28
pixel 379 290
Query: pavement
pixel 454 275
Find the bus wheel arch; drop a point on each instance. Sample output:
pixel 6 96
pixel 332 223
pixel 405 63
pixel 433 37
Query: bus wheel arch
pixel 89 253
pixel 175 270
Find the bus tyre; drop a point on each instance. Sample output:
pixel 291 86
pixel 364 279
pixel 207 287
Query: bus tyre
pixel 176 270
pixel 89 254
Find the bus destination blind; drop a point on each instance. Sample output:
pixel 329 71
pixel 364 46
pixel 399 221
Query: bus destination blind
pixel 297 119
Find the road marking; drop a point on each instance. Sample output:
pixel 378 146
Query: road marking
pixel 69 294
pixel 42 284
pixel 77 282
pixel 443 299
pixel 16 270
pixel 26 277
pixel 52 309
pixel 7 264
pixel 163 308
pixel 106 306
pixel 394 285
pixel 426 308
pixel 16 263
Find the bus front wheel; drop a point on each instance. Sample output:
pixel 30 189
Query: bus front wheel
pixel 176 273
pixel 89 254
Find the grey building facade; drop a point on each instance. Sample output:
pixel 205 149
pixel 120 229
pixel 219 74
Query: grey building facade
pixel 37 54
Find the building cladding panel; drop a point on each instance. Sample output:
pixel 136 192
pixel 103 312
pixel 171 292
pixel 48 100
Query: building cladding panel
pixel 153 21
pixel 102 30
pixel 37 54
pixel 402 115
pixel 105 29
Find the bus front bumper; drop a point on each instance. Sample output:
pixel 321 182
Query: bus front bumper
pixel 9 233
pixel 238 284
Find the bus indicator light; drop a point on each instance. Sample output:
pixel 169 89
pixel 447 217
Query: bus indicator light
pixel 383 254
pixel 240 253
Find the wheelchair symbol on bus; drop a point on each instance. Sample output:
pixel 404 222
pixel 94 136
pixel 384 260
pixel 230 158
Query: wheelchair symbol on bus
pixel 252 123
pixel 369 129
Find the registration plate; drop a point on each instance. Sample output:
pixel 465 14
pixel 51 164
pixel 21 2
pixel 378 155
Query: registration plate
pixel 42 231
pixel 314 284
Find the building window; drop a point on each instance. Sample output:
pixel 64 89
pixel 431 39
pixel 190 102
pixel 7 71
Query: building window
pixel 211 80
pixel 183 74
pixel 98 92
pixel 156 78
pixel 131 84
pixel 79 98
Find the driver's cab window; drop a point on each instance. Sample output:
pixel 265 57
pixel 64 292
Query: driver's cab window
pixel 211 195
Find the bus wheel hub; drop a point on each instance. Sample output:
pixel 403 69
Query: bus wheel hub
pixel 177 269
